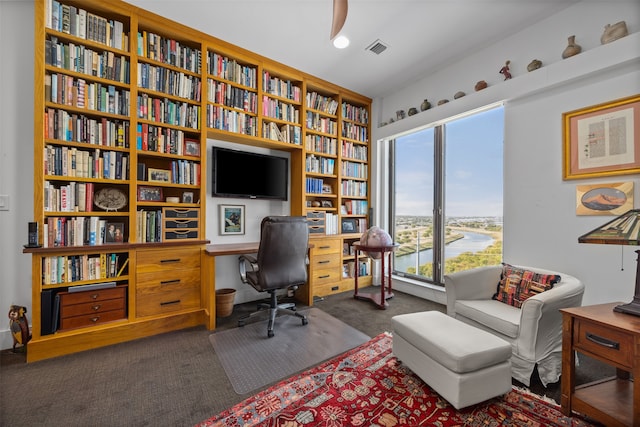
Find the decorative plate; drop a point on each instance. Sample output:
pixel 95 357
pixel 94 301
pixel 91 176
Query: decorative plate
pixel 110 199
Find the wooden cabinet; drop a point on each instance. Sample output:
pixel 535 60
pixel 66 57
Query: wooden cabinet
pixel 612 338
pixel 89 308
pixel 324 268
pixel 124 101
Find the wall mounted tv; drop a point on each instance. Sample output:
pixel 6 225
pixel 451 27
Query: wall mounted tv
pixel 249 175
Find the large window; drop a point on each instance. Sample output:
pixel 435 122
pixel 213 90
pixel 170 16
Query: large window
pixel 446 196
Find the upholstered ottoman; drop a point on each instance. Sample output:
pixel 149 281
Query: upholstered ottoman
pixel 464 364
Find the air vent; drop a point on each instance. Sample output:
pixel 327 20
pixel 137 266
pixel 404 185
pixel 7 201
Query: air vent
pixel 377 47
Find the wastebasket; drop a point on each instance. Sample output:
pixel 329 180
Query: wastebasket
pixel 224 302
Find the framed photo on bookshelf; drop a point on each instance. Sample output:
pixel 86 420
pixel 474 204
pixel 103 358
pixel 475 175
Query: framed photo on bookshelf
pixel 159 175
pixel 349 225
pixel 149 194
pixel 231 219
pixel 114 232
pixel 187 197
pixel 192 147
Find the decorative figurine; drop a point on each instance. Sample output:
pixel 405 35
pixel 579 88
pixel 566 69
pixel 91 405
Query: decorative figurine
pixel 534 65
pixel 412 111
pixel 19 326
pixel 614 32
pixel 572 48
pixel 425 105
pixel 505 70
pixel 480 85
pixel 459 94
pixel 443 101
pixel 400 114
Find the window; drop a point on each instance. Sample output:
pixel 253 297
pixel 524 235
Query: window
pixel 446 196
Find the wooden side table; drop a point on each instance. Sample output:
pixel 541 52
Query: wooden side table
pixel 612 338
pixel 379 299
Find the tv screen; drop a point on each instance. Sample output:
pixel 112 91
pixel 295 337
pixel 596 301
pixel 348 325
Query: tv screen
pixel 249 175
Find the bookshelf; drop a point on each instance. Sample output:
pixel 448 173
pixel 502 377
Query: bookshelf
pixel 124 103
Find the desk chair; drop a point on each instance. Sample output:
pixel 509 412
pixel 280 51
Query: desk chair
pixel 281 263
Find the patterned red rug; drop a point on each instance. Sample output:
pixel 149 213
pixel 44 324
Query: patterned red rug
pixel 368 386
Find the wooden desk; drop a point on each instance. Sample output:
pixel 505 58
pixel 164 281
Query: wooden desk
pixel 378 299
pixel 303 294
pixel 613 338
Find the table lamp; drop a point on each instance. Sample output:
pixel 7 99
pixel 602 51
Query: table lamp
pixel 623 230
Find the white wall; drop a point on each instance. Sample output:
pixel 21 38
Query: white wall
pixel 541 227
pixel 533 123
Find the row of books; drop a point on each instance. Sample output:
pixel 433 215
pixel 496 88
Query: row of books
pixel 164 140
pixel 230 120
pixel 355 151
pixel 168 111
pixel 74 162
pixel 353 112
pixel 321 144
pixel 353 131
pixel 65 126
pixel 282 88
pixel 149 226
pixel 232 96
pixel 76 268
pixel 73 197
pixel 322 103
pixel 356 207
pixel 321 124
pixel 169 81
pixel 63 231
pixel 81 59
pixel 185 172
pixel 319 164
pixel 314 185
pixel 285 133
pixel 74 92
pixel 355 170
pixel 230 69
pixel 169 51
pixel 331 221
pixel 277 109
pixel 78 22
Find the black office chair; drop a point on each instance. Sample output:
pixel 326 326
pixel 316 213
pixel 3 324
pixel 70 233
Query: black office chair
pixel 281 264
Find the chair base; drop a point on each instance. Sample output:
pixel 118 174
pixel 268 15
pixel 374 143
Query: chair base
pixel 274 308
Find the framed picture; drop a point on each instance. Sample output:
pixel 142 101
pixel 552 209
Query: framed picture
pixel 159 175
pixel 149 194
pixel 349 225
pixel 602 140
pixel 604 199
pixel 114 232
pixel 326 188
pixel 187 197
pixel 327 204
pixel 231 219
pixel 192 147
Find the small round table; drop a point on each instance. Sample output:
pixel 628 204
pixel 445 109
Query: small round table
pixel 379 299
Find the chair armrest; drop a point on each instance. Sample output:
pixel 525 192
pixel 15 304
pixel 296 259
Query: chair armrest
pixel 476 284
pixel 243 260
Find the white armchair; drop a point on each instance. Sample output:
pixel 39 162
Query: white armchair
pixel 534 330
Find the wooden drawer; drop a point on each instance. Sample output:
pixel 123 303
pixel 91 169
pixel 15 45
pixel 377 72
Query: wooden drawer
pixel 605 342
pixel 180 213
pixel 323 261
pixel 319 277
pixel 322 290
pixel 326 246
pixel 91 307
pixel 147 283
pixel 183 298
pixel 88 308
pixel 69 298
pixel 158 260
pixel 180 234
pixel 180 224
pixel 92 319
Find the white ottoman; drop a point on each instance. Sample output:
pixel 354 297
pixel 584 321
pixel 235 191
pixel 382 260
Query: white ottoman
pixel 463 364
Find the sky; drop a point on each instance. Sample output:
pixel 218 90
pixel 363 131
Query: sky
pixel 473 167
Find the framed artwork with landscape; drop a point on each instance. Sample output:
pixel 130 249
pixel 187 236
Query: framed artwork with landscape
pixel 231 219
pixel 602 140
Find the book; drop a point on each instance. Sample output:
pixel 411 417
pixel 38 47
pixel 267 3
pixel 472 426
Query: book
pixel 124 265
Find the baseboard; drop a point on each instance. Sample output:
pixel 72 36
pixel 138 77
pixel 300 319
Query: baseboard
pixel 6 339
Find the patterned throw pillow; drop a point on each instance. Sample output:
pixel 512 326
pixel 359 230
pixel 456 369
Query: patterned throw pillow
pixel 517 284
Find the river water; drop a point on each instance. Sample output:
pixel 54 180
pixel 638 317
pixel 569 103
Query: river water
pixel 471 242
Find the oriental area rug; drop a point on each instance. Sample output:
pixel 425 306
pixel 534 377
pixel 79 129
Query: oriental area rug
pixel 368 386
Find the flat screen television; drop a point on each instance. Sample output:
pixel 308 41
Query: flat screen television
pixel 249 175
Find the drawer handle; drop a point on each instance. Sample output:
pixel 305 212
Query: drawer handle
pixel 166 261
pixel 169 282
pixel 170 302
pixel 96 307
pixel 324 262
pixel 324 247
pixel 603 341
pixel 95 319
pixel 335 288
pixel 95 296
pixel 324 277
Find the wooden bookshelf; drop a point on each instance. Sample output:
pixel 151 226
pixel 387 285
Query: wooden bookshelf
pixel 124 102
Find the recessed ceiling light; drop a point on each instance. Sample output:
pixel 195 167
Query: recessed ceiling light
pixel 341 42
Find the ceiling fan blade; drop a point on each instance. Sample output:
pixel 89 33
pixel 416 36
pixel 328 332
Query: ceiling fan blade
pixel 340 8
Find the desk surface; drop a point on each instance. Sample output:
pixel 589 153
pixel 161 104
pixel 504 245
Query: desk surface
pixel 232 248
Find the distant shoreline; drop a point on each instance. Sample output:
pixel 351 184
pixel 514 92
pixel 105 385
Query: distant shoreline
pixel 410 248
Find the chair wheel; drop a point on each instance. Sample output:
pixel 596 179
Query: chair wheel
pixel 305 321
pixel 270 334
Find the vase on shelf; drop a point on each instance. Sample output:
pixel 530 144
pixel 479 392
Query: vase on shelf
pixel 425 105
pixel 572 48
pixel 614 32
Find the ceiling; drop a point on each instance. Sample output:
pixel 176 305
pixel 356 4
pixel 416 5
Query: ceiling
pixel 421 35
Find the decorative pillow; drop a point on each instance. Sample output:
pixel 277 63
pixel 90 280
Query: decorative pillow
pixel 517 284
